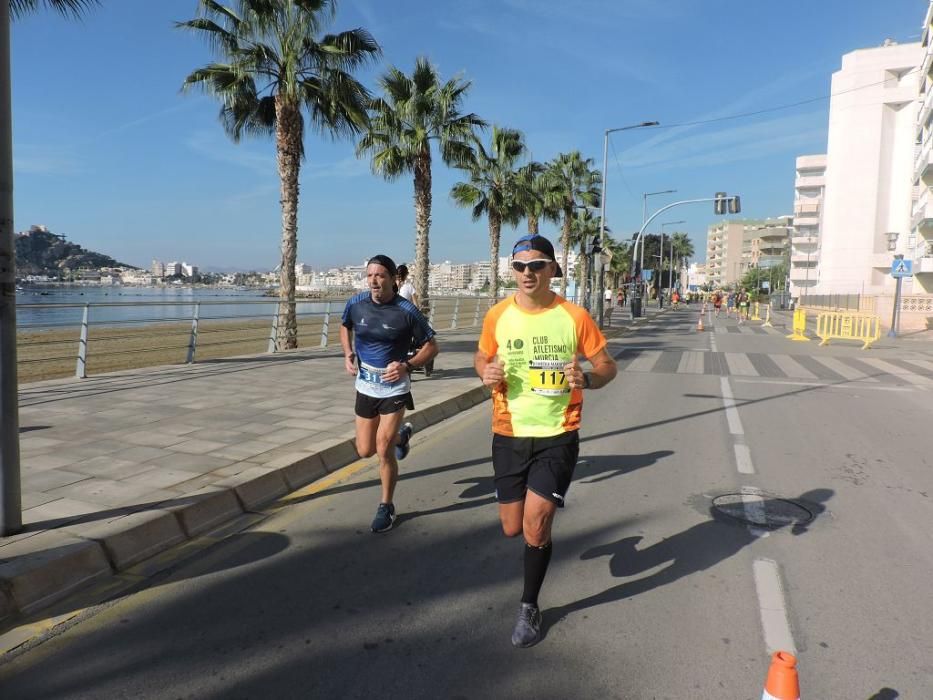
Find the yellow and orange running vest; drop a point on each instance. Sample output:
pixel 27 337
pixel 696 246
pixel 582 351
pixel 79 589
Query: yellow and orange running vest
pixel 534 347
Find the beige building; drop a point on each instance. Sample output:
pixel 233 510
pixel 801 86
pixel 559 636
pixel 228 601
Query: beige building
pixel 730 249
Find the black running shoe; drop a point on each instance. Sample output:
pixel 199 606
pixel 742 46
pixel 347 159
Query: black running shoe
pixel 385 516
pixel 527 630
pixel 402 448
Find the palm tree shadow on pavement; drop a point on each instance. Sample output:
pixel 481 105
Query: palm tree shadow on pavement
pixel 696 549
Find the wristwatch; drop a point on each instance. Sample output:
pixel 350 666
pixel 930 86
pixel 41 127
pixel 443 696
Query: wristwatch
pixel 586 380
pixel 408 366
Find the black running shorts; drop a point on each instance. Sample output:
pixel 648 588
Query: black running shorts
pixel 544 465
pixel 370 406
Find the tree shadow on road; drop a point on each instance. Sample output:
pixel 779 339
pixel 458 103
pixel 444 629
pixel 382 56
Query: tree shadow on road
pixel 696 549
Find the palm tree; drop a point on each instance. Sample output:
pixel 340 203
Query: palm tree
pixel 19 8
pixel 683 247
pixel 490 190
pixel 583 228
pixel 276 65
pixel 572 183
pixel 531 195
pixel 620 263
pixel 413 112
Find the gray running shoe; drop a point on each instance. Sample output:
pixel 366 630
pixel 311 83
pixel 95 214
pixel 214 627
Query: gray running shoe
pixel 385 516
pixel 527 630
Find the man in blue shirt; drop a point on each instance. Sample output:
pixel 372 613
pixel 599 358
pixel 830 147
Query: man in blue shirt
pixel 384 325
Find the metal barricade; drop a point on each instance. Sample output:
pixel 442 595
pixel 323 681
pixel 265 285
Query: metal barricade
pixel 800 326
pixel 845 326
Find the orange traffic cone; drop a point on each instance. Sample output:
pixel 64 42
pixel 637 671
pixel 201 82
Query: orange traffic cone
pixel 700 322
pixel 782 681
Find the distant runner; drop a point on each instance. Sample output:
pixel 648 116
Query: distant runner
pixel 384 325
pixel 528 356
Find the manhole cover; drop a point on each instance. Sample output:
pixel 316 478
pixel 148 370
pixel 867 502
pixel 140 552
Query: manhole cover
pixel 762 510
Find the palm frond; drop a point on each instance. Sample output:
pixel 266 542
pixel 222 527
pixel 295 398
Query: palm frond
pixel 75 8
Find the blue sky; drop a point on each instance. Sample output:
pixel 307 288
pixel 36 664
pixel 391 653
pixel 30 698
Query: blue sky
pixel 107 150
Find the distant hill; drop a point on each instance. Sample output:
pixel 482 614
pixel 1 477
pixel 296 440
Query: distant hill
pixel 39 251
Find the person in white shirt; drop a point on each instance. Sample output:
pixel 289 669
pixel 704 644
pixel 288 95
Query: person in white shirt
pixel 406 289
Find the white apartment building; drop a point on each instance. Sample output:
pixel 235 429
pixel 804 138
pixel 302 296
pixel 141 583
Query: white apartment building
pixel 920 240
pixel 809 186
pixel 870 164
pixel 158 269
pixel 189 270
pixel 173 268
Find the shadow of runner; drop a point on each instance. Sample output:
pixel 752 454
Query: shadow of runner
pixel 696 549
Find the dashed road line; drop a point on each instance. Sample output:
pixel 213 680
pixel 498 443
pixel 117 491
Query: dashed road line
pixel 773 609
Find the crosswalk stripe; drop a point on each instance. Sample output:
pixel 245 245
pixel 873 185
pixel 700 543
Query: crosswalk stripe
pixel 791 368
pixel 721 329
pixel 923 364
pixel 644 362
pixel 740 365
pixel 691 363
pixel 900 372
pixel 844 370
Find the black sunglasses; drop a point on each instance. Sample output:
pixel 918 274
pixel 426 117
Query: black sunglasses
pixel 533 265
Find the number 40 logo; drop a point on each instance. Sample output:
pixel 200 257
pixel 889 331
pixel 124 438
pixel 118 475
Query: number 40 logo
pixel 518 344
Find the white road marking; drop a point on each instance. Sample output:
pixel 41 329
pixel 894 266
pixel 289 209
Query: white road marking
pixel 845 370
pixel 644 362
pixel 828 385
pixel 743 459
pixel 774 622
pixel 740 365
pixel 791 368
pixel 691 363
pixel 732 415
pixel 900 372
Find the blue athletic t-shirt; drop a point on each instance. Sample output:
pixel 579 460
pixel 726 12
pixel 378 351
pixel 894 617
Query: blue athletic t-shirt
pixel 384 334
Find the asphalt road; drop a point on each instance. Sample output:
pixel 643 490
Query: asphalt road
pixel 652 593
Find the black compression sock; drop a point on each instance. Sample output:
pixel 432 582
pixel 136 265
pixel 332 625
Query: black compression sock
pixel 536 562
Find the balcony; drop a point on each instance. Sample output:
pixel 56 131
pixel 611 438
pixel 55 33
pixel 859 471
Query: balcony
pixel 803 207
pixel 804 259
pixel 804 241
pixel 923 266
pixel 806 221
pixel 803 275
pixel 923 170
pixel 922 217
pixel 806 181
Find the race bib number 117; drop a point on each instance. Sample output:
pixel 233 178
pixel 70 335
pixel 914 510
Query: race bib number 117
pixel 547 377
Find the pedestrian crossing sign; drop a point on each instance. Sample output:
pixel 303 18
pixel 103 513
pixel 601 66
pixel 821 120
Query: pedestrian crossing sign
pixel 902 268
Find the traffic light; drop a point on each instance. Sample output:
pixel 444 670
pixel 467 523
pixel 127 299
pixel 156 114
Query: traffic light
pixel 735 205
pixel 719 206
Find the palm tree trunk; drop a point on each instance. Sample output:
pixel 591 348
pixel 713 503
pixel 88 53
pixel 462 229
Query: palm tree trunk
pixel 584 267
pixel 532 224
pixel 422 226
pixel 288 153
pixel 565 246
pixel 495 229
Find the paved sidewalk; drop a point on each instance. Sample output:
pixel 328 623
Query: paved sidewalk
pixel 117 468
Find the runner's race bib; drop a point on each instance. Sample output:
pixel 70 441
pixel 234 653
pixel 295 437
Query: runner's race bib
pixel 373 375
pixel 547 377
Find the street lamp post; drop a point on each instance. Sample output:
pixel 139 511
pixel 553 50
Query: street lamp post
pixel 602 213
pixel 670 278
pixel 11 510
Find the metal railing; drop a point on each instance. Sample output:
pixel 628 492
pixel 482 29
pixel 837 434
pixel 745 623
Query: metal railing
pixel 838 302
pixel 56 349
